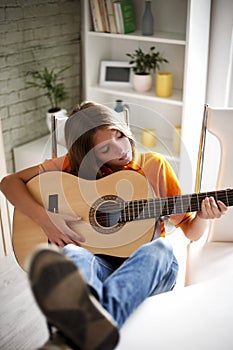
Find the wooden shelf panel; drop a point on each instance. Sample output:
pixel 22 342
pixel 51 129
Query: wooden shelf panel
pixel 175 99
pixel 158 37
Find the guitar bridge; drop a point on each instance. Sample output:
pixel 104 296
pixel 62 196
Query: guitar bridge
pixel 53 203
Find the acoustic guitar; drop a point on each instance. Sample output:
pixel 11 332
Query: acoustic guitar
pixel 119 212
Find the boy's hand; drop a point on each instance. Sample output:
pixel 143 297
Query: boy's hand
pixel 210 209
pixel 59 232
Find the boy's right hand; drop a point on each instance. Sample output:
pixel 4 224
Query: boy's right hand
pixel 58 230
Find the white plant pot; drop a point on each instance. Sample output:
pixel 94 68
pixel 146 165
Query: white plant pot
pixel 61 117
pixel 142 83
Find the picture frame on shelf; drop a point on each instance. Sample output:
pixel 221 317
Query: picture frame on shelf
pixel 115 73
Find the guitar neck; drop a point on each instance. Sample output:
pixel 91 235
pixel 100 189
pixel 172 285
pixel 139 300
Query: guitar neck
pixel 154 208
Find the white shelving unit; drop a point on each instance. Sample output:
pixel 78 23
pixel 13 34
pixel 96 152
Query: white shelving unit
pixel 182 35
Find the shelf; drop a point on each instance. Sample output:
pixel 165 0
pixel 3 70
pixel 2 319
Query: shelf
pixel 158 37
pixel 182 35
pixel 175 99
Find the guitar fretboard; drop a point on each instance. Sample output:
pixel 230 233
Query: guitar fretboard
pixel 154 208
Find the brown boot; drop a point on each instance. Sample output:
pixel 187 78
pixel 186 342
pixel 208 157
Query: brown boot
pixel 68 304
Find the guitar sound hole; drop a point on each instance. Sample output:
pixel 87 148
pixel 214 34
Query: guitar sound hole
pixel 107 215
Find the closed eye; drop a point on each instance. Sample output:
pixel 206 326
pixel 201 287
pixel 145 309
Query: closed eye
pixel 119 135
pixel 104 150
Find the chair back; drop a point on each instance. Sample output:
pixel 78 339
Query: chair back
pixel 6 208
pixel 218 123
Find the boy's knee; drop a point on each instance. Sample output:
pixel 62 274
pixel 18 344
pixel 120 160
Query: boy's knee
pixel 159 249
pixel 161 244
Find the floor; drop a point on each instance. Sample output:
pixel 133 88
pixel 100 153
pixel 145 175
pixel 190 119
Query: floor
pixel 22 326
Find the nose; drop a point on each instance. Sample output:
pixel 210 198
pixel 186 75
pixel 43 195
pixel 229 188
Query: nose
pixel 119 150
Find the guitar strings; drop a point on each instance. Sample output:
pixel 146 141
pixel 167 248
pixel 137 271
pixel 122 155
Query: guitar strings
pixel 156 207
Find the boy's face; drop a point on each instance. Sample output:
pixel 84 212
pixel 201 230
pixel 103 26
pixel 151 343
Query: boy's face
pixel 112 147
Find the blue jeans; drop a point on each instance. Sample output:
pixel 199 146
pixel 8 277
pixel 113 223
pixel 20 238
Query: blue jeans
pixel 123 284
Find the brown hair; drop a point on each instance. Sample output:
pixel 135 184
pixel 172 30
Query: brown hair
pixel 83 122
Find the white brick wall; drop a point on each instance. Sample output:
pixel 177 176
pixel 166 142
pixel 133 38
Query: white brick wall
pixel 35 34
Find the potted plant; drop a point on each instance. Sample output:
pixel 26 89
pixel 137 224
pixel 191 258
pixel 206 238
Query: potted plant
pixel 142 65
pixel 47 80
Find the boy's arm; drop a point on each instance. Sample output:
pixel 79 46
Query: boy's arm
pixel 54 225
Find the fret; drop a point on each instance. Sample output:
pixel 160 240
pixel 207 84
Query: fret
pixel 133 212
pixel 133 209
pixel 143 208
pixel 170 204
pixel 181 204
pixel 178 205
pixel 194 202
pixel 217 195
pixel 149 208
pixel 200 198
pixel 164 203
pixel 128 207
pixel 160 207
pixel 136 212
pixel 198 208
pixel 121 210
pixel 138 209
pixel 173 204
pixel 186 203
pixel 227 201
pixel 152 211
pixel 123 216
pixel 157 207
pixel 190 207
pixel 174 211
pixel 152 208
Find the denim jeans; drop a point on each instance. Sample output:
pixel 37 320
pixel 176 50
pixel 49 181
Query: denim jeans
pixel 123 284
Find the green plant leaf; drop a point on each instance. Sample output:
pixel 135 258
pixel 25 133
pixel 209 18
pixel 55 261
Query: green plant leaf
pixel 47 80
pixel 142 62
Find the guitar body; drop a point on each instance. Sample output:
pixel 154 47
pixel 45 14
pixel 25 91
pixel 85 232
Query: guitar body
pixel 88 199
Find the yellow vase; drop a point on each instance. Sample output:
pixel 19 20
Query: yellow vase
pixel 148 138
pixel 163 86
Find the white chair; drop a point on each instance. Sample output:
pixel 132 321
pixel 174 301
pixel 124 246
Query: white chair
pixel 198 316
pixel 6 209
pixel 214 256
pixel 56 125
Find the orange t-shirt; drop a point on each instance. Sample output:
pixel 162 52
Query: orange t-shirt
pixel 157 170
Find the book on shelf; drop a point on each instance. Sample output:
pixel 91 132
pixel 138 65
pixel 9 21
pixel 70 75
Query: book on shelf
pixel 102 12
pixel 104 16
pixel 96 16
pixel 111 16
pixel 124 16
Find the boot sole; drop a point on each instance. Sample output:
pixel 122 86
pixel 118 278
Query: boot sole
pixel 67 303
